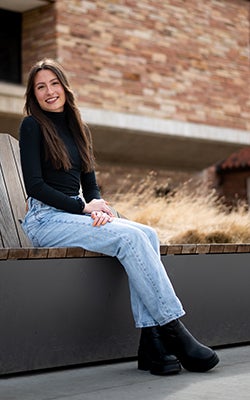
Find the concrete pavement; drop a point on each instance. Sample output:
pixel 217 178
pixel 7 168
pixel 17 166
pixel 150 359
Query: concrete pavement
pixel 230 380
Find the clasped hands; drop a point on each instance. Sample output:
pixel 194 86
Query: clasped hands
pixel 99 211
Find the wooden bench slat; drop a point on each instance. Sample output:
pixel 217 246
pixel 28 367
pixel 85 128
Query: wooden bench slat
pixel 16 154
pixel 55 252
pixel 4 254
pixel 12 193
pixel 217 248
pixel 38 252
pixel 1 239
pixel 9 235
pixel 202 248
pixel 174 249
pixel 18 254
pixel 243 248
pixel 75 252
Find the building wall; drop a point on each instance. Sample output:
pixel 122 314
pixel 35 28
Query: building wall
pixel 175 59
pixel 39 37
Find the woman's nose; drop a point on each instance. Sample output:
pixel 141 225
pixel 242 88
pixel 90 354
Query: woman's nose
pixel 50 89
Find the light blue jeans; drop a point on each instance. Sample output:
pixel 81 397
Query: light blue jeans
pixel 153 300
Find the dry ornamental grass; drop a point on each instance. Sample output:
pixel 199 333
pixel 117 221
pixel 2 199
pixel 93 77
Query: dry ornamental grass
pixel 187 216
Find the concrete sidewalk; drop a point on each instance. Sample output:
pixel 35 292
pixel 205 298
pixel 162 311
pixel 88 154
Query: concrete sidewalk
pixel 230 380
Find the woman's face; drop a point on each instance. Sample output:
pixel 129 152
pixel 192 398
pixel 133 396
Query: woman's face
pixel 49 91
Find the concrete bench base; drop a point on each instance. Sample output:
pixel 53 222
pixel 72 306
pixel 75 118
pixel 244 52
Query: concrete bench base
pixel 62 312
pixel 214 289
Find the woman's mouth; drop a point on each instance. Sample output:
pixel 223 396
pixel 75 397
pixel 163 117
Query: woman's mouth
pixel 51 100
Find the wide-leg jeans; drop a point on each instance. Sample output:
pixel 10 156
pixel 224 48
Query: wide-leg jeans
pixel 153 299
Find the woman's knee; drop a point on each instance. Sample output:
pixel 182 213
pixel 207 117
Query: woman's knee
pixel 151 233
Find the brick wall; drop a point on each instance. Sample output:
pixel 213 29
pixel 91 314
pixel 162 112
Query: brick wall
pixel 179 59
pixel 38 36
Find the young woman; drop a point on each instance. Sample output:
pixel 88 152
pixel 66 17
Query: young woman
pixel 57 160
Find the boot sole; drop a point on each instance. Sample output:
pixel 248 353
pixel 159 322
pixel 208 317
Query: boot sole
pixel 202 366
pixel 159 369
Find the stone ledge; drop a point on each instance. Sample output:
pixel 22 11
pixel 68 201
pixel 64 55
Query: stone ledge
pixel 162 126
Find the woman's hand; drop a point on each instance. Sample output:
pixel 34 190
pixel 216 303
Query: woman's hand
pixel 99 211
pixel 100 218
pixel 98 205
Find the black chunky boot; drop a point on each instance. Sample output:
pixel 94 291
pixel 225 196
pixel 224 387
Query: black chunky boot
pixel 193 355
pixel 152 354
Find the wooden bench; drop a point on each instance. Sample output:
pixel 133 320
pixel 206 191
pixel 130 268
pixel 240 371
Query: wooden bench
pixel 68 306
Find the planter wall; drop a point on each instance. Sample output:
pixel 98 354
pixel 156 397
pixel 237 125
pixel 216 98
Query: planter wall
pixel 58 311
pixel 214 289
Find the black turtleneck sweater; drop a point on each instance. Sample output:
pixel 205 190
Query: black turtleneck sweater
pixel 45 183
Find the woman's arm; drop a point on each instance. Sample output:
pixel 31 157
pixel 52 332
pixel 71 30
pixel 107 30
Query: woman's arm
pixel 92 196
pixel 90 189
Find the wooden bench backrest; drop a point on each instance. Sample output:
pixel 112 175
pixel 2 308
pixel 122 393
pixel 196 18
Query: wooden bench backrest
pixel 12 194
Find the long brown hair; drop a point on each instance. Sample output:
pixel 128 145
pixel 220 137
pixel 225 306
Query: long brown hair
pixel 54 146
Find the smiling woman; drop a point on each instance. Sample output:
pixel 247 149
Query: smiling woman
pixel 59 215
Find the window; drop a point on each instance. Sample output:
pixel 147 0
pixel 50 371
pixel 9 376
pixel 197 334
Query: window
pixel 10 46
